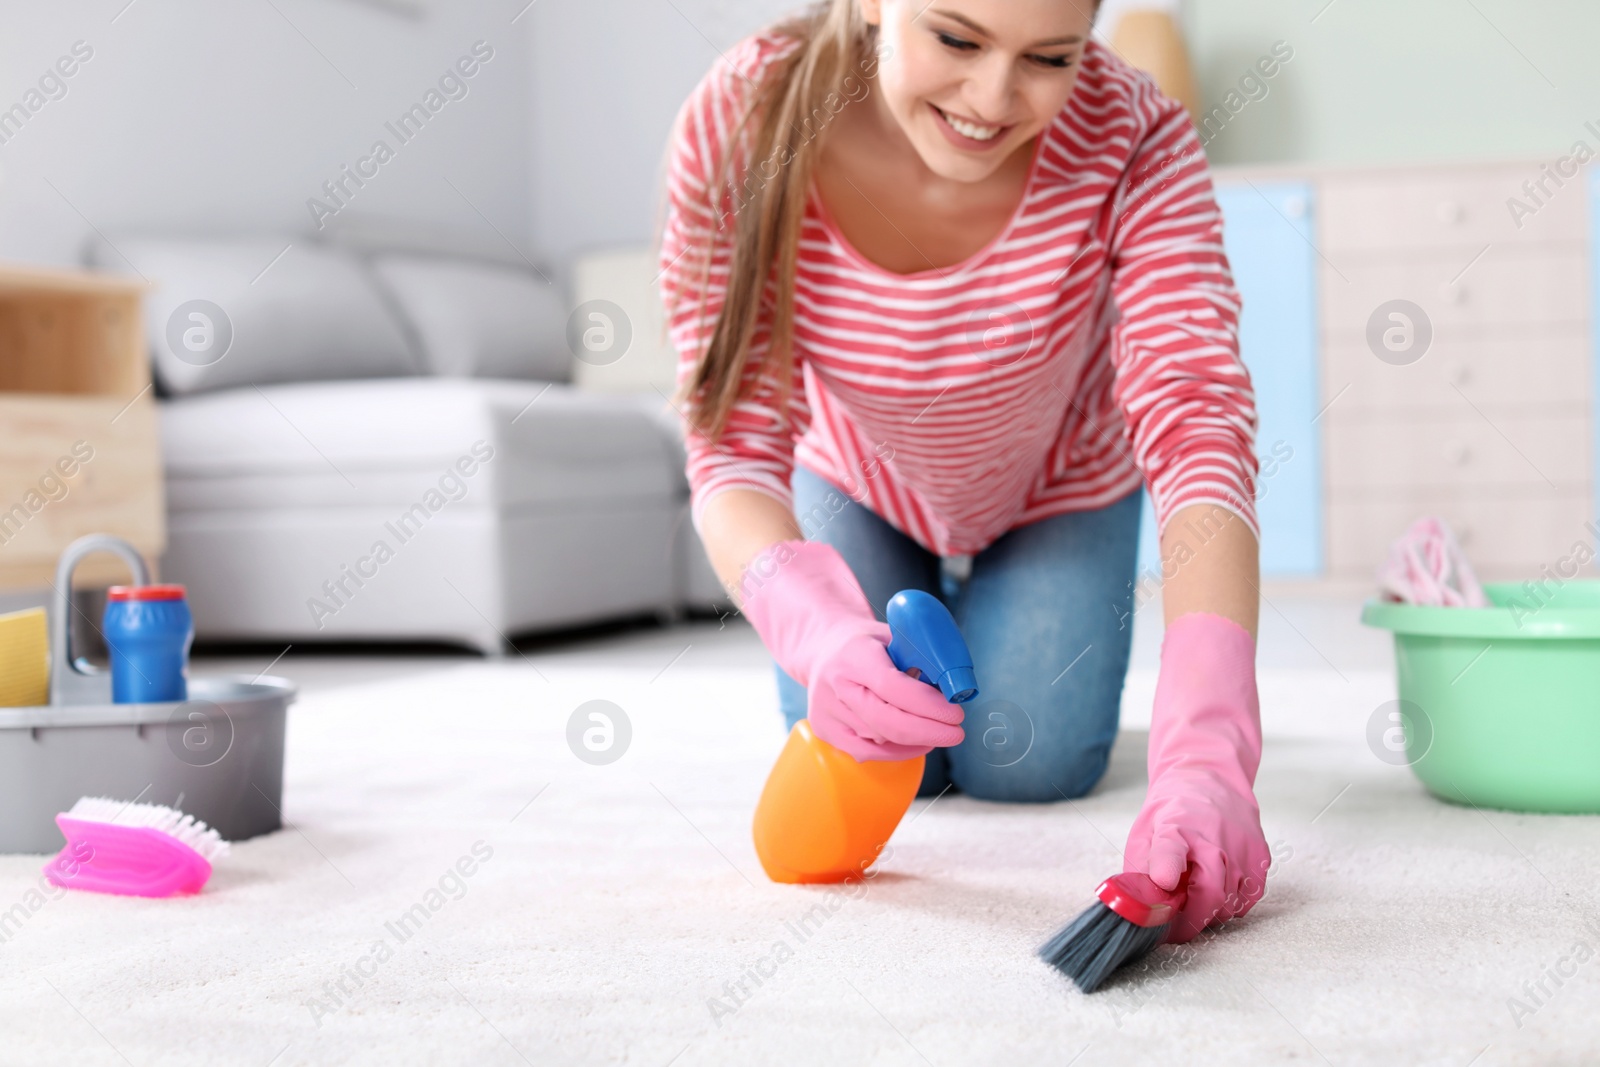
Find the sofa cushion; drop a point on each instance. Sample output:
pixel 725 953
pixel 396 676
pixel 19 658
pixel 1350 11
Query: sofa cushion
pixel 236 312
pixel 480 320
pixel 340 444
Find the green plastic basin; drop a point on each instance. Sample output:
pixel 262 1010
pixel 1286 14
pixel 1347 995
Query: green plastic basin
pixel 1501 705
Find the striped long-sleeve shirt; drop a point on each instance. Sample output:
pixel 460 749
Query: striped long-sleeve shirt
pixel 1093 343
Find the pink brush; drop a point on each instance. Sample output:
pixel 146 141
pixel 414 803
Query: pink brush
pixel 139 850
pixel 1426 566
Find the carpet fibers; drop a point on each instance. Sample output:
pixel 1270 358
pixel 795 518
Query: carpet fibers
pixel 457 886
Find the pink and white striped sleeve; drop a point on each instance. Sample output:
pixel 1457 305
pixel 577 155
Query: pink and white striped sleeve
pixel 756 451
pixel 1183 390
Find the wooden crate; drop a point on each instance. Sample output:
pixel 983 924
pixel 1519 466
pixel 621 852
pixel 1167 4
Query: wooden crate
pixel 79 451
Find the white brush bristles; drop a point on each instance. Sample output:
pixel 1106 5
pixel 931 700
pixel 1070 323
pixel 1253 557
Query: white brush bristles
pixel 185 828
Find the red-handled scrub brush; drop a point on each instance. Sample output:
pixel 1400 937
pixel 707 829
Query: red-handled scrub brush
pixel 1133 917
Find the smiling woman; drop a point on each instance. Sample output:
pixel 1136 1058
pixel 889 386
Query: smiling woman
pixel 964 92
pixel 973 316
pixel 935 168
pixel 939 157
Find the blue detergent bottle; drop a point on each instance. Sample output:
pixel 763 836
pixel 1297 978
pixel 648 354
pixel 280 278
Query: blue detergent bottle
pixel 148 631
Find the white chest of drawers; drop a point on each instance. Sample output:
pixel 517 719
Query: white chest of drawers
pixel 1492 427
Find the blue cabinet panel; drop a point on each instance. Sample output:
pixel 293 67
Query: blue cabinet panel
pixel 1268 231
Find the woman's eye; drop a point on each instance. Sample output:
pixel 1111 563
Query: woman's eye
pixel 1054 62
pixel 952 41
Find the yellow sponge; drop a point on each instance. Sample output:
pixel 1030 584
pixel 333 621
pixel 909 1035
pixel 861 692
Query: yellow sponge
pixel 24 659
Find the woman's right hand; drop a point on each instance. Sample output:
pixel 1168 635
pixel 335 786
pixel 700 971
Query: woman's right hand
pixel 860 703
pixel 813 617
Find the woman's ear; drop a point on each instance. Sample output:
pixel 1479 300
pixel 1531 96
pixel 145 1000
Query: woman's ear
pixel 872 12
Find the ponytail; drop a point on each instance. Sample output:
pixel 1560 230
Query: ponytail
pixel 785 111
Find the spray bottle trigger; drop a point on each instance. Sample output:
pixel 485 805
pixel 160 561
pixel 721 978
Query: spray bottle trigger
pixel 925 638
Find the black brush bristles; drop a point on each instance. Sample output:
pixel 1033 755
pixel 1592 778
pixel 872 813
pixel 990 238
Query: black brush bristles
pixel 1096 943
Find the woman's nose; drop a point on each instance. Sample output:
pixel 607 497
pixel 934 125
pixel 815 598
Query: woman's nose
pixel 990 89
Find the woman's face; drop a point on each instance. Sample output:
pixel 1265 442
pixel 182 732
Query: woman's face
pixel 970 81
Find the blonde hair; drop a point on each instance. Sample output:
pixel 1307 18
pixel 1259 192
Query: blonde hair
pixel 764 243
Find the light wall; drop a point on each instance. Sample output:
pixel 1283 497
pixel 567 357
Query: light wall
pixel 199 116
pixel 1391 81
pixel 608 79
pixel 195 115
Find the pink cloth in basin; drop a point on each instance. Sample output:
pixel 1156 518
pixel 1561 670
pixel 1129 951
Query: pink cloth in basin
pixel 1426 566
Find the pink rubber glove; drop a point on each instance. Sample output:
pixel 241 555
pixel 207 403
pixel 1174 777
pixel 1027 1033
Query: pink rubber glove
pixel 813 617
pixel 1205 744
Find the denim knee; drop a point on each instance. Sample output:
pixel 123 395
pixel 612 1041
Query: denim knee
pixel 1037 778
pixel 1058 750
pixel 1083 772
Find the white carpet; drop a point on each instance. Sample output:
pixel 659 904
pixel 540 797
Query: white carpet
pixel 622 904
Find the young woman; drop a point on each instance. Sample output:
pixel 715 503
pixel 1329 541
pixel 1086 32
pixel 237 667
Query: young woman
pixel 948 285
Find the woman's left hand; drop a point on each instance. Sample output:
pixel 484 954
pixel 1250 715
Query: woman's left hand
pixel 1200 814
pixel 1193 821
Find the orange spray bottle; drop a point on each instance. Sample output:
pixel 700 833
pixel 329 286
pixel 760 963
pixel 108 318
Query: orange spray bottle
pixel 822 816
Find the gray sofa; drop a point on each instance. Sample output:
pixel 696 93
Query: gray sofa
pixel 381 445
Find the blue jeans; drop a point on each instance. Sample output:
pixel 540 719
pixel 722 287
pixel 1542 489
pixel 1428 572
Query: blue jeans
pixel 1046 611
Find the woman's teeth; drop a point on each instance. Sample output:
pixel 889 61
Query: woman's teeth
pixel 969 129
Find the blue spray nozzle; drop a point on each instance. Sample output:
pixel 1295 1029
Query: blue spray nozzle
pixel 925 636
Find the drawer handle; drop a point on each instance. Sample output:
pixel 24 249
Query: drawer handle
pixel 1460 454
pixel 1461 374
pixel 1451 212
pixel 1453 294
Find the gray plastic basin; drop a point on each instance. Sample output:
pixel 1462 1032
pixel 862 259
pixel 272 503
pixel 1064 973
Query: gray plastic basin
pixel 217 756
